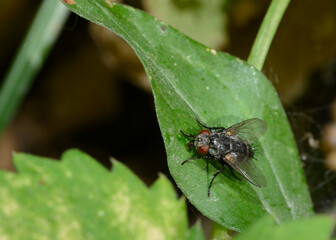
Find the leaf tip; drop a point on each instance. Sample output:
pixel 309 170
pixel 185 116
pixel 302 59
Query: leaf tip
pixel 70 153
pixel 161 175
pixel 117 166
pixel 113 160
pixel 69 2
pixel 110 3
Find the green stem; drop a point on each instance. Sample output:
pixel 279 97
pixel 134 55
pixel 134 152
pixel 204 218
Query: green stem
pixel 266 33
pixel 41 36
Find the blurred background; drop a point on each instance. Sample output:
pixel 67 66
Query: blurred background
pixel 93 94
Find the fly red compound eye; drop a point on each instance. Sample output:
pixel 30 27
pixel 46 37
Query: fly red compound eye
pixel 205 132
pixel 203 149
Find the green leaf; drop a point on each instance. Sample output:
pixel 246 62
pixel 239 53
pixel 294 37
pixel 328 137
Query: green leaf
pixel 220 232
pixel 196 232
pixel 202 20
pixel 190 80
pixel 79 199
pixel 316 228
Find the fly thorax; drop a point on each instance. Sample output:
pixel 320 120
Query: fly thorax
pixel 221 143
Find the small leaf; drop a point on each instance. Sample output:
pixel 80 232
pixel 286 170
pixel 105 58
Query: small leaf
pixel 196 232
pixel 316 228
pixel 220 232
pixel 202 20
pixel 190 80
pixel 79 199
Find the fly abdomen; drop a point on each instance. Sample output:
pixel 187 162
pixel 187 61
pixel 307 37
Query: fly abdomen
pixel 243 149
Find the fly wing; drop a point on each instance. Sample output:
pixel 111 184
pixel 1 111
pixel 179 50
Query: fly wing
pixel 249 130
pixel 247 169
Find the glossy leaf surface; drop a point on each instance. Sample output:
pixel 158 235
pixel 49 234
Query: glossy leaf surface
pixel 190 80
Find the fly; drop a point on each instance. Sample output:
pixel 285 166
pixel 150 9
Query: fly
pixel 230 147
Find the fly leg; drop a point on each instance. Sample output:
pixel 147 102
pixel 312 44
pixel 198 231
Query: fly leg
pixel 210 128
pixel 213 178
pixel 200 157
pixel 187 135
